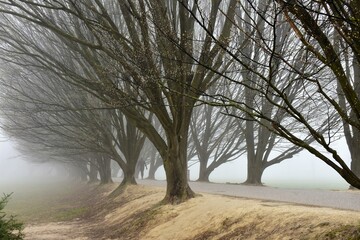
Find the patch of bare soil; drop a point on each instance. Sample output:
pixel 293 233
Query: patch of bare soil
pixel 55 231
pixel 137 214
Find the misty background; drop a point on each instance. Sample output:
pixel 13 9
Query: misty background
pixel 301 171
pixel 89 114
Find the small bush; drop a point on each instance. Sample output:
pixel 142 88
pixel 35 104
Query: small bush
pixel 10 228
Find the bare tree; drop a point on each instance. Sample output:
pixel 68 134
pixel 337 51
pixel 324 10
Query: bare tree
pixel 71 125
pixel 352 133
pixel 317 22
pixel 152 158
pixel 298 75
pixel 217 138
pixel 352 70
pixel 261 143
pixel 128 143
pixel 139 55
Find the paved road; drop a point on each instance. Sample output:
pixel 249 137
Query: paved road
pixel 349 200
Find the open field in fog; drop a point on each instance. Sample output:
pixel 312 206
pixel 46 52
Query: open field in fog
pixel 39 201
pixel 75 211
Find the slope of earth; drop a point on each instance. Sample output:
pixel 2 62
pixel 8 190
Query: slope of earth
pixel 89 213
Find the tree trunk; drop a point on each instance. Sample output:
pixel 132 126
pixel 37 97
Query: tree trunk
pixel 355 152
pixel 350 177
pixel 203 155
pixel 352 134
pixel 137 172
pixel 355 165
pixel 105 170
pixel 153 167
pixel 79 172
pixel 129 177
pixel 115 169
pixel 254 173
pixel 204 177
pixel 152 171
pixel 93 173
pixel 354 146
pixel 83 177
pixel 175 164
pixel 203 173
pixel 128 171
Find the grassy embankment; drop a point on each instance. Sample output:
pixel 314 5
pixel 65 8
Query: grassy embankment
pixel 73 211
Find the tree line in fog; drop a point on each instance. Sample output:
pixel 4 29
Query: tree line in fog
pixel 181 82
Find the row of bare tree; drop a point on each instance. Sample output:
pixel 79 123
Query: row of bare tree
pixel 90 81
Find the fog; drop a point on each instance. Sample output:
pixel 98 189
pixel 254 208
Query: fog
pixel 302 171
pixel 15 169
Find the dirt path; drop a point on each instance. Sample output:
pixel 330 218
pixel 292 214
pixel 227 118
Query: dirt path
pixel 73 230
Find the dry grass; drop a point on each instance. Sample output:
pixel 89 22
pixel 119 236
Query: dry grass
pixel 137 214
